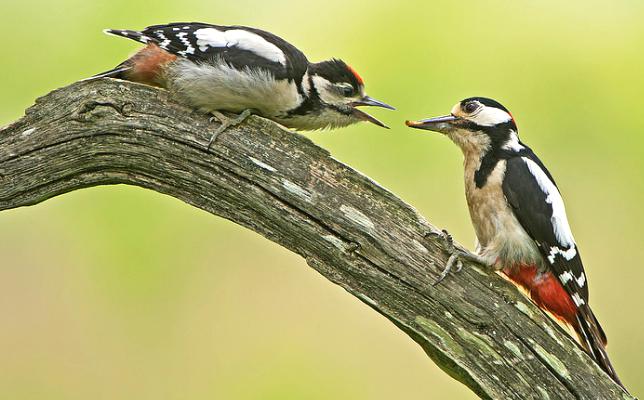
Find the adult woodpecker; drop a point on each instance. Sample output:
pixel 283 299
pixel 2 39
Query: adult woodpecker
pixel 519 217
pixel 245 70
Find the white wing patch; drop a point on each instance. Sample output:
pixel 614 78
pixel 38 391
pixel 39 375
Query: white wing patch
pixel 581 281
pixel 565 277
pixel 559 220
pixel 211 37
pixel 577 299
pixel 182 36
pixel 164 44
pixel 568 254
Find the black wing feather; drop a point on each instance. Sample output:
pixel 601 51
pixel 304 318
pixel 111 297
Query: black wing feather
pixel 175 38
pixel 534 213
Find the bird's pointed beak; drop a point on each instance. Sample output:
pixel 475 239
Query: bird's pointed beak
pixel 438 124
pixel 368 101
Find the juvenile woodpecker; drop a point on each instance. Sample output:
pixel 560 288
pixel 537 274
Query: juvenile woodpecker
pixel 519 217
pixel 245 70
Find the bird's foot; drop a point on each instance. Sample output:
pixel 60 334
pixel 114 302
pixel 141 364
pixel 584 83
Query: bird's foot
pixel 456 257
pixel 226 123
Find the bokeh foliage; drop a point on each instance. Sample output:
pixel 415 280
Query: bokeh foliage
pixel 117 292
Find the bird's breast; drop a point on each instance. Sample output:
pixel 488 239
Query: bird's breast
pixel 501 238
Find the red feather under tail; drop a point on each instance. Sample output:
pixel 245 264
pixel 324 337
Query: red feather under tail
pixel 146 66
pixel 548 293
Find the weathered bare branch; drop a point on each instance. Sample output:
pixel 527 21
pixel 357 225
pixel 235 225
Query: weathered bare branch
pixel 474 325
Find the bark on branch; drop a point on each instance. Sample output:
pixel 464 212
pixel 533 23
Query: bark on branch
pixel 474 325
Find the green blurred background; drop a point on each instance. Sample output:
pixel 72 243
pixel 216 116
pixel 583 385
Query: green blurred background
pixel 121 293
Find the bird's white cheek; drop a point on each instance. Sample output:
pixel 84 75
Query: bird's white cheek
pixel 490 116
pixel 327 96
pixel 323 88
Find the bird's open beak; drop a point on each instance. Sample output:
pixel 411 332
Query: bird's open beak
pixel 438 124
pixel 368 101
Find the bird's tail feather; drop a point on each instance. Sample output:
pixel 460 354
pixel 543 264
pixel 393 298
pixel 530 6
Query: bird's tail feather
pixel 594 341
pixel 134 35
pixel 116 72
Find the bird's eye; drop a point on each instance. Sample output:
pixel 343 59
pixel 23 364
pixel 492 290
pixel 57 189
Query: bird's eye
pixel 347 91
pixel 470 107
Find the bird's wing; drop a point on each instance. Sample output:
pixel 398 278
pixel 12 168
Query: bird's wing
pixel 533 196
pixel 236 46
pixel 537 204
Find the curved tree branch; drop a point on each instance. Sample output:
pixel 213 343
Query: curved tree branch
pixel 474 325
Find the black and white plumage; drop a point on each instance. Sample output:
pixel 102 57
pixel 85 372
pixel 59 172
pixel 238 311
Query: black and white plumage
pixel 236 68
pixel 534 198
pixel 519 216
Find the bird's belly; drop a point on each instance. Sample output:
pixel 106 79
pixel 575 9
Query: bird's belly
pixel 501 238
pixel 210 87
pixel 326 118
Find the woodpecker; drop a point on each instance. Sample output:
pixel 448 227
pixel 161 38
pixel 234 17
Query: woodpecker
pixel 245 70
pixel 519 217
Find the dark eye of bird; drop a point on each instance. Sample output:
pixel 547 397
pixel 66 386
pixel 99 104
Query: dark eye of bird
pixel 347 91
pixel 470 107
